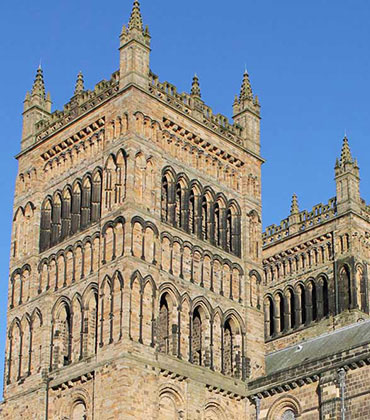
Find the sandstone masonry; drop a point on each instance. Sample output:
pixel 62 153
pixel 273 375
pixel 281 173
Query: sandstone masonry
pixel 141 285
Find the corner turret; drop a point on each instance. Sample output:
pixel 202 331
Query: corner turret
pixel 347 178
pixel 37 107
pixel 246 113
pixel 134 51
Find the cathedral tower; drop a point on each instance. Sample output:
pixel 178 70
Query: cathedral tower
pixel 135 272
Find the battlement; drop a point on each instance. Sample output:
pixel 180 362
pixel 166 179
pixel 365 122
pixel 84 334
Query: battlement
pixel 77 106
pixel 196 108
pixel 86 100
pixel 305 220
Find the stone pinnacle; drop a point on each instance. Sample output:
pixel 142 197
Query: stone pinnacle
pixel 79 84
pixel 38 87
pixel 345 156
pixel 246 89
pixel 136 21
pixel 294 208
pixel 195 87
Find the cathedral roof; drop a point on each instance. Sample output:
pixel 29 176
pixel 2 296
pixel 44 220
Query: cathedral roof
pixel 317 348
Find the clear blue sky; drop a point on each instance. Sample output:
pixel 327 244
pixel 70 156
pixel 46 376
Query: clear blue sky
pixel 309 62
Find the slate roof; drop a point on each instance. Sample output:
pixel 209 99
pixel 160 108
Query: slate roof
pixel 320 347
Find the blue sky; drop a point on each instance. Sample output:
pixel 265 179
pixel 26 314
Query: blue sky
pixel 309 62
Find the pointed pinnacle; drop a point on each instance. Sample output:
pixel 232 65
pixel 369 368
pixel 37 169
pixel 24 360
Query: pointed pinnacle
pixel 345 156
pixel 246 89
pixel 136 21
pixel 79 84
pixel 294 208
pixel 38 87
pixel 195 88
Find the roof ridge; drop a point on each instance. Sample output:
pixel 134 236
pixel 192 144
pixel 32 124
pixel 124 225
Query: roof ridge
pixel 310 340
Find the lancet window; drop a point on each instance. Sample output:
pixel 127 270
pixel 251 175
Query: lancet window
pixel 201 212
pixel 71 210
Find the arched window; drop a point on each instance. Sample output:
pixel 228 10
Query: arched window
pixel 281 303
pixel 229 231
pixel 61 338
pixel 292 308
pixel 269 317
pixel 178 206
pixel 119 188
pixel 197 338
pixel 56 220
pixel 232 346
pixel 165 199
pixel 109 169
pixel 303 304
pixel 79 411
pixel 96 197
pixel 66 214
pixel 86 203
pixel 314 302
pixel 76 208
pixel 325 297
pixel 228 349
pixel 45 231
pixel 163 326
pixel 205 233
pixel 217 225
pixel 192 212
pixel 345 297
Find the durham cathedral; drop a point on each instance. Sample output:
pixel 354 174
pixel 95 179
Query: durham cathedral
pixel 141 284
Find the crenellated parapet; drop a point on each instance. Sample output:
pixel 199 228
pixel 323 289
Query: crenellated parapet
pixel 300 222
pixel 80 104
pixel 193 106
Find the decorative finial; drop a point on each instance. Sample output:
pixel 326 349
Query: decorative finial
pixel 79 84
pixel 294 209
pixel 246 89
pixel 345 156
pixel 38 87
pixel 195 87
pixel 136 21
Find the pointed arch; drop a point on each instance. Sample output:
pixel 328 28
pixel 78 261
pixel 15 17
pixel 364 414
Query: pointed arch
pixel 61 342
pixel 345 289
pixel 45 224
pixel 106 296
pixel 136 286
pixel 76 207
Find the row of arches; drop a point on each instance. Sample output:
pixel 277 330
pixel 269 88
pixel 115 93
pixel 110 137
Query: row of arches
pixel 74 325
pixel 23 230
pixel 188 150
pixel 161 318
pixel 115 173
pixel 183 259
pixel 308 302
pixel 71 210
pixel 296 306
pixel 24 346
pixel 172 405
pixel 189 329
pixel 69 265
pixel 74 328
pixel 200 212
pixel 79 149
pixel 171 254
pixel 288 266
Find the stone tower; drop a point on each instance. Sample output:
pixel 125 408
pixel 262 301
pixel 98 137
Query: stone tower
pixel 135 274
